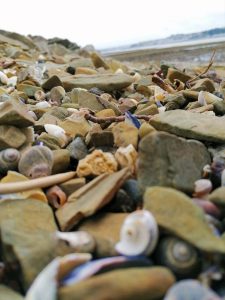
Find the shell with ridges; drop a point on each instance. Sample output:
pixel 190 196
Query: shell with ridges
pixel 179 256
pixel 138 235
pixel 9 159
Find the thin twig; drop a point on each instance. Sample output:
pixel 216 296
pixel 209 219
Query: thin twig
pixel 162 84
pixel 203 72
pixel 42 182
pixel 114 119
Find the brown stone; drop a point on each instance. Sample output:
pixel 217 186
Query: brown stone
pixel 129 284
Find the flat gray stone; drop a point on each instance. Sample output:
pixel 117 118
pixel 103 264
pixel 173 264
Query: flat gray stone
pixel 105 82
pixel 167 160
pixel 191 125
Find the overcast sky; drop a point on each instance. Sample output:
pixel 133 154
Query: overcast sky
pixel 106 23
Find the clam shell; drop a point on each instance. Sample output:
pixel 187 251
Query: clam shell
pixel 138 235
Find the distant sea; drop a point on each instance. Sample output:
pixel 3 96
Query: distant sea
pixel 161 46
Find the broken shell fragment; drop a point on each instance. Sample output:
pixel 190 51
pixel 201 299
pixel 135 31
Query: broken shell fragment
pixel 127 157
pixel 96 163
pixel 139 234
pixel 56 197
pixel 80 241
pixel 9 159
pixel 57 132
pixel 36 161
pixel 202 188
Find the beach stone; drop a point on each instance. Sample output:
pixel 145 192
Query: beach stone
pixel 72 185
pixel 14 113
pixel 191 125
pixel 172 208
pixel 101 139
pixel 152 283
pixel 11 137
pixel 73 127
pixel 61 161
pixel 167 160
pixel 147 109
pixel 77 148
pixel 125 134
pixel 108 112
pixel 89 100
pixel 81 62
pixel 145 129
pixel 105 228
pixel 29 90
pixel 98 61
pixel 106 82
pixel 51 83
pixel 173 74
pixel 204 84
pixel 218 196
pixel 57 93
pixel 8 294
pixel 31 245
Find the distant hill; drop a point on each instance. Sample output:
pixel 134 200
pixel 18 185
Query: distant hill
pixel 212 33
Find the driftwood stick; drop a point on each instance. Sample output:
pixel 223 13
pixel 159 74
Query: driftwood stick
pixel 211 61
pixel 162 84
pixel 42 182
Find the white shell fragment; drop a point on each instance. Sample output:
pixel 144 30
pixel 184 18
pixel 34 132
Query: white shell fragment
pixel 43 104
pixel 3 78
pixel 46 283
pixel 139 234
pixel 80 241
pixel 57 132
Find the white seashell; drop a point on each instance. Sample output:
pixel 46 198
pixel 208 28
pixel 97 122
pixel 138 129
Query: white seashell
pixel 136 77
pixel 46 282
pixel 81 241
pixel 139 234
pixel 3 78
pixel 201 98
pixel 161 109
pixel 12 81
pixel 56 131
pixel 43 104
pixel 205 98
pixel 33 115
pixel 119 71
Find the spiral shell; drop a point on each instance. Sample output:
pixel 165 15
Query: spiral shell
pixel 9 159
pixel 139 234
pixel 36 161
pixel 179 256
